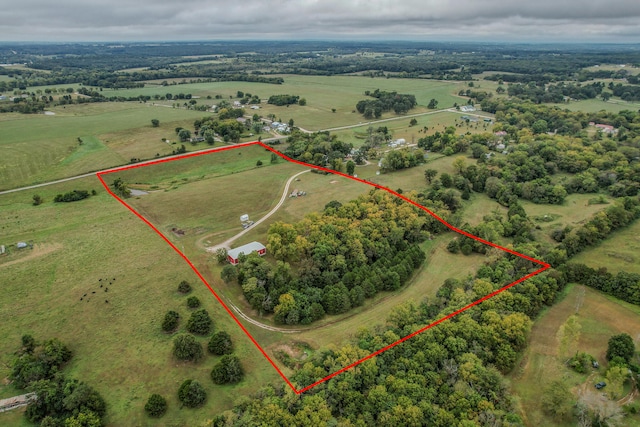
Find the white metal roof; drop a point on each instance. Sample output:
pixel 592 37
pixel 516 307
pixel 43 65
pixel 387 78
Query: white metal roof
pixel 245 249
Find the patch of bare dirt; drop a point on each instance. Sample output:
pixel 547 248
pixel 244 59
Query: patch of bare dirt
pixel 38 250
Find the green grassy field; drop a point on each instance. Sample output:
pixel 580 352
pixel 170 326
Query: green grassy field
pixel 619 252
pixel 576 209
pixel 37 148
pixel 322 95
pixel 118 346
pixel 600 317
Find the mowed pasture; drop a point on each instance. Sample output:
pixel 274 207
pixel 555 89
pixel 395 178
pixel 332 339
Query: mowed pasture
pixel 37 148
pixel 118 346
pixel 619 252
pixel 600 317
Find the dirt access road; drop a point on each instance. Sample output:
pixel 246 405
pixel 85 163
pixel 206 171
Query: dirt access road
pixel 227 243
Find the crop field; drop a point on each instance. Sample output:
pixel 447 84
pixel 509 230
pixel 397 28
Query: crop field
pixel 619 252
pixel 118 346
pixel 600 316
pixel 38 148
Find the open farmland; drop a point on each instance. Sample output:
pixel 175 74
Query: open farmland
pixel 118 346
pixel 322 94
pixel 39 148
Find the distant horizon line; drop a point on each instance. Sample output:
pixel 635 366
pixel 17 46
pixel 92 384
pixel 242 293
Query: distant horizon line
pixel 323 40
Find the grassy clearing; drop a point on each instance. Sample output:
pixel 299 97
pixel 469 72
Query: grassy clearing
pixel 619 252
pixel 37 148
pixel 600 317
pixel 118 346
pixel 575 210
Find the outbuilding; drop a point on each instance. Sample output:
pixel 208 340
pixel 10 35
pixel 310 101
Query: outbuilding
pixel 234 254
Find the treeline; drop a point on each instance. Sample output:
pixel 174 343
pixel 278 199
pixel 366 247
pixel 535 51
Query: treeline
pixel 624 286
pixel 58 400
pixel 626 92
pixel 555 93
pixel 341 257
pixel 574 240
pixel 385 101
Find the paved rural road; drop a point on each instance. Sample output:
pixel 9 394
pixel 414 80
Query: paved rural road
pixel 227 243
pixel 86 175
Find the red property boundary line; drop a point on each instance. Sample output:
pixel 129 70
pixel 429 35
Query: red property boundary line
pixel 544 265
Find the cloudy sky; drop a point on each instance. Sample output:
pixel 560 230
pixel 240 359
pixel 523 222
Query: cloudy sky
pixel 483 20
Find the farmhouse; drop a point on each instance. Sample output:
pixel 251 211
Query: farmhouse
pixel 234 254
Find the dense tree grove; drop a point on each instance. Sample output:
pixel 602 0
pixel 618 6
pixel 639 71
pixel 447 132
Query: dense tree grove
pixel 320 149
pixel 401 159
pixel 281 100
pixel 342 256
pixel 72 196
pixel 38 362
pixel 225 125
pixel 574 240
pixel 385 101
pixel 534 160
pixel 59 400
pixel 555 93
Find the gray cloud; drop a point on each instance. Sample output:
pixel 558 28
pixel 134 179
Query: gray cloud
pixel 545 20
